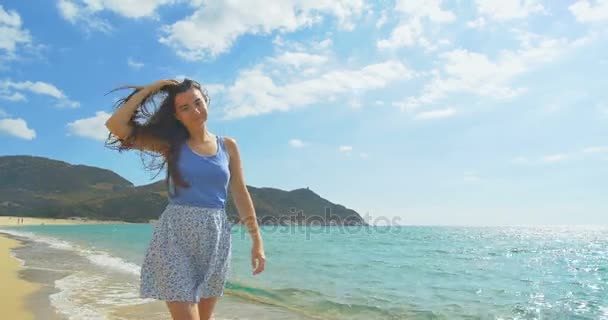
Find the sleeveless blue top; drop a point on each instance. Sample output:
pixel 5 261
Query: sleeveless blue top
pixel 208 177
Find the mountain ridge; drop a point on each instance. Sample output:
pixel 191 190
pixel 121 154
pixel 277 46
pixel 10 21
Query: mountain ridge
pixel 43 187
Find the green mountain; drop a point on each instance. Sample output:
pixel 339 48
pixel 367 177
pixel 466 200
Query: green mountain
pixel 42 187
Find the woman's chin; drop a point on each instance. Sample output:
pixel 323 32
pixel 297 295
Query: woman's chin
pixel 198 122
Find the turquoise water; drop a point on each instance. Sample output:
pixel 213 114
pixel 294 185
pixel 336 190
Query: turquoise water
pixel 387 272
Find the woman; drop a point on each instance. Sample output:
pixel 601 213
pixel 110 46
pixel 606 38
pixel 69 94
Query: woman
pixel 187 259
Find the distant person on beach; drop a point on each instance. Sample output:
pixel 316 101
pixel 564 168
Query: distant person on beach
pixel 188 257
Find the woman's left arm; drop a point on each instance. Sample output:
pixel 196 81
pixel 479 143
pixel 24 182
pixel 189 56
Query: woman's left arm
pixel 244 205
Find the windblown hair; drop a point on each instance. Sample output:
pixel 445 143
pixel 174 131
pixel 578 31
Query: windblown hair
pixel 151 121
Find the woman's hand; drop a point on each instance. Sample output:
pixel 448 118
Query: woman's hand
pixel 156 86
pixel 258 259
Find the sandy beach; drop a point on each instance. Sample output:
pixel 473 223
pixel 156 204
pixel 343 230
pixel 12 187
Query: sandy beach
pixel 59 283
pixel 28 221
pixel 13 300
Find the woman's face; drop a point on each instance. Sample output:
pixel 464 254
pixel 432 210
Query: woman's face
pixel 191 108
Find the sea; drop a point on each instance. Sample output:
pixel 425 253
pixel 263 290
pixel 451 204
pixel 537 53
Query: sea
pixel 341 272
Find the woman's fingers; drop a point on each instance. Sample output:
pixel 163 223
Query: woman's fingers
pixel 261 262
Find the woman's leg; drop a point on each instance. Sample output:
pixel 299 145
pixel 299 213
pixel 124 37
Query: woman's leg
pixel 205 308
pixel 183 310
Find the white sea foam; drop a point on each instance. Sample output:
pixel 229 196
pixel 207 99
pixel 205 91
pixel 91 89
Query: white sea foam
pixel 106 260
pixel 68 300
pixel 604 313
pixel 21 262
pixel 99 258
pixel 92 296
pixel 53 242
pixel 75 289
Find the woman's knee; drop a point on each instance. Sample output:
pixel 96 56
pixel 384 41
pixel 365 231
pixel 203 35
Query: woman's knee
pixel 205 308
pixel 183 310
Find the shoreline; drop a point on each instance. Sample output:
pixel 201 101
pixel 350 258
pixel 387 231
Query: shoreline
pixel 30 289
pixel 13 221
pixel 40 301
pixel 14 301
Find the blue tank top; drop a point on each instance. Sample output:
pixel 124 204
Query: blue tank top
pixel 208 177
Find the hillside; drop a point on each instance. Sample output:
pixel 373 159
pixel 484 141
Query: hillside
pixel 42 187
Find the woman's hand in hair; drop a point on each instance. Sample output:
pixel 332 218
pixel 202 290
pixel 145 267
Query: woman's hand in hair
pixel 158 85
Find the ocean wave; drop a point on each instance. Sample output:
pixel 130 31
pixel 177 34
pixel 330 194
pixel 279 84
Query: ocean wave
pixel 98 257
pixel 53 242
pixel 309 303
pixel 65 301
pixel 21 262
pixel 85 294
pixel 106 260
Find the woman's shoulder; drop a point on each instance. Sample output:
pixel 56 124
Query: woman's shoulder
pixel 231 145
pixel 227 140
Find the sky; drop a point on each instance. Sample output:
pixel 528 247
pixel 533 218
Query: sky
pixel 423 112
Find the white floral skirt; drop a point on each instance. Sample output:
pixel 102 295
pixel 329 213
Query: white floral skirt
pixel 188 256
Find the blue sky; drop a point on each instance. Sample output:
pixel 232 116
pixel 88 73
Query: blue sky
pixel 484 112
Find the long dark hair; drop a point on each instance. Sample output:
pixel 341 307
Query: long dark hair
pixel 159 123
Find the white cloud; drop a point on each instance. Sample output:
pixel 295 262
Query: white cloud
pixel 430 9
pixel 363 155
pixel 382 20
pixel 552 158
pixel 82 14
pixel 14 97
pixel 436 114
pixel 476 73
pixel 296 143
pixel 478 23
pixel 8 87
pixel 257 92
pixel 70 9
pixel 17 127
pixel 134 64
pixel 317 46
pixel 501 10
pixel 93 127
pixel 596 149
pixel 542 160
pixel 587 11
pixel 68 104
pixel 410 30
pixel 404 35
pixel 323 44
pixel 299 59
pixel 3 114
pixel 214 89
pixel 470 72
pixel 35 87
pixel 12 34
pixel 213 27
pixel 345 148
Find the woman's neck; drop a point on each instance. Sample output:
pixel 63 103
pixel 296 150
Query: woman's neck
pixel 200 135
